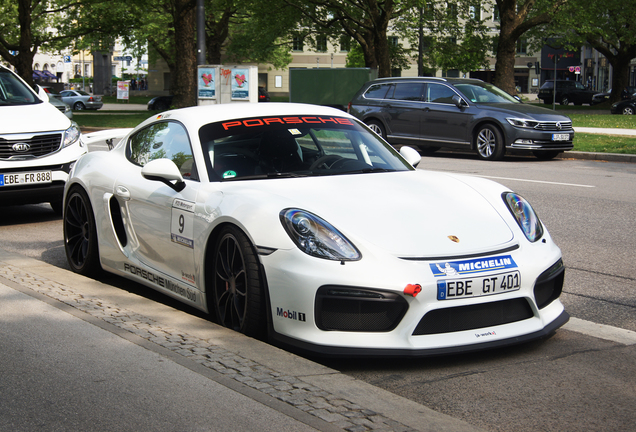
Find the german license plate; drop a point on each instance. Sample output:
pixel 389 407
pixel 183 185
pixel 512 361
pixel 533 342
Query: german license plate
pixel 449 289
pixel 560 137
pixel 25 178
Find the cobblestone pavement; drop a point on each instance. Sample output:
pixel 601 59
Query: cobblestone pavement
pixel 289 389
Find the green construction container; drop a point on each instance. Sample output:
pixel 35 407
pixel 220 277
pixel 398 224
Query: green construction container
pixel 327 86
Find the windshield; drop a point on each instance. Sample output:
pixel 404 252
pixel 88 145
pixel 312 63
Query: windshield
pixel 484 93
pixel 13 91
pixel 275 147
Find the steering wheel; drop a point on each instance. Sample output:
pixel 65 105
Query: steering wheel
pixel 327 162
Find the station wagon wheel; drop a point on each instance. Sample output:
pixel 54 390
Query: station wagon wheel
pixel 565 100
pixel 78 106
pixel 628 111
pixel 238 292
pixel 80 234
pixel 489 143
pixel 377 127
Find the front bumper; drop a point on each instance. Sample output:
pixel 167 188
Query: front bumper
pixel 373 316
pixel 528 139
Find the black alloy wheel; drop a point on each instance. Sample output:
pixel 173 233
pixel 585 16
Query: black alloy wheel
pixel 80 234
pixel 238 293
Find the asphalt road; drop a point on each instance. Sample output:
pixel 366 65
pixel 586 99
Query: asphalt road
pixel 570 382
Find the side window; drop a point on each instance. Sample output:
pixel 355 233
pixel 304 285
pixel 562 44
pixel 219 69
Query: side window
pixel 377 91
pixel 165 140
pixel 408 91
pixel 439 93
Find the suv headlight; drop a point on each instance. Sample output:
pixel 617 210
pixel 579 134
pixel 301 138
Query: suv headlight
pixel 71 135
pixel 525 215
pixel 523 123
pixel 316 237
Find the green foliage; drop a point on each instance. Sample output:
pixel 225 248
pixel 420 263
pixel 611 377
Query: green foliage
pixel 355 57
pixel 455 35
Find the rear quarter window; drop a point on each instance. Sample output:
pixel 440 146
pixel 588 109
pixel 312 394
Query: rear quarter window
pixel 377 91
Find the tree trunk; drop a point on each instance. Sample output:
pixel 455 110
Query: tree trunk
pixel 184 84
pixel 506 51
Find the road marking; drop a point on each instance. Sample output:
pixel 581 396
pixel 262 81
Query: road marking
pixel 601 331
pixel 535 181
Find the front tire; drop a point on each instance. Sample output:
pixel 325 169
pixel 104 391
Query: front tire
pixel 79 106
pixel 238 293
pixel 489 143
pixel 565 100
pixel 80 234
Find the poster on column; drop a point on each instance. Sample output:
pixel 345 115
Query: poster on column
pixel 207 87
pixel 240 87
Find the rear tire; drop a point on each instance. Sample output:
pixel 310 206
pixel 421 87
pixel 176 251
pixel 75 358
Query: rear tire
pixel 377 127
pixel 489 143
pixel 238 293
pixel 628 111
pixel 80 234
pixel 565 100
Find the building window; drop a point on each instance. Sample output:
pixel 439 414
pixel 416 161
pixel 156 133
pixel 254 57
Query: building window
pixel 345 43
pixel 522 46
pixel 495 14
pixel 297 43
pixel 321 43
pixel 393 41
pixel 475 12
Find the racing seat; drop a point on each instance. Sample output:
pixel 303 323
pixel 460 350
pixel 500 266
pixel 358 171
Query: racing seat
pixel 279 152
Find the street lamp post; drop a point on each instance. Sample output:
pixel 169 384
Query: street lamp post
pixel 554 87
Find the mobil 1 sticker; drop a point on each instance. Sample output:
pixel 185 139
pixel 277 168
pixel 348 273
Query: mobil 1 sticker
pixel 182 224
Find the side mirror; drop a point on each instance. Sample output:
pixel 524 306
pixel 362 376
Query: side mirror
pixel 459 102
pixel 411 155
pixel 44 96
pixel 165 171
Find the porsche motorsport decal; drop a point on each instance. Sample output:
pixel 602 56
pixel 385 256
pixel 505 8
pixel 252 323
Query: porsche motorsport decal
pixel 182 225
pixel 160 281
pixel 473 266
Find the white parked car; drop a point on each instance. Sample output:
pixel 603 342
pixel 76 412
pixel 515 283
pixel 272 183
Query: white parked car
pixel 38 145
pixel 297 223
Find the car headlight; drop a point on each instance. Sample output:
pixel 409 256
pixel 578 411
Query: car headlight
pixel 316 237
pixel 525 215
pixel 71 135
pixel 523 123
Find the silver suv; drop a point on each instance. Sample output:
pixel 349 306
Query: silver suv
pixel 459 113
pixel 38 145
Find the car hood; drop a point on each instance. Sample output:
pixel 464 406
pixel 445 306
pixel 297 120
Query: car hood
pixel 41 117
pixel 408 214
pixel 535 112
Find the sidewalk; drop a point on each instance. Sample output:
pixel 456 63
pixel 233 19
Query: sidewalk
pixel 113 360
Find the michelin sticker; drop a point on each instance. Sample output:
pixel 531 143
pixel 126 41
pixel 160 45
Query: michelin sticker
pixel 182 224
pixel 473 266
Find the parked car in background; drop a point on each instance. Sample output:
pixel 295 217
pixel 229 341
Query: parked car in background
pixel 160 103
pixel 601 97
pixel 55 99
pixel 566 92
pixel 80 100
pixel 626 107
pixel 38 145
pixel 459 113
pixel 263 96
